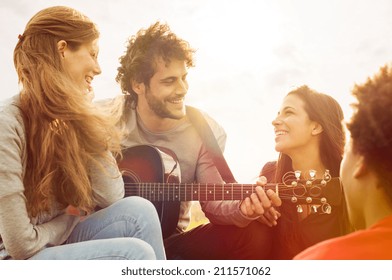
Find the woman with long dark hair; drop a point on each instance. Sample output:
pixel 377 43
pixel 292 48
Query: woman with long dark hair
pixel 309 137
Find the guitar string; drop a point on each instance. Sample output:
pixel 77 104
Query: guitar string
pixel 149 190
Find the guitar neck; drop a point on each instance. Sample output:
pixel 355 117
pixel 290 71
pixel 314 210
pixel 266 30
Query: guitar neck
pixel 301 192
pixel 192 191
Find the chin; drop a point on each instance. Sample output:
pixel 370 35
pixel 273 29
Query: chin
pixel 278 148
pixel 179 114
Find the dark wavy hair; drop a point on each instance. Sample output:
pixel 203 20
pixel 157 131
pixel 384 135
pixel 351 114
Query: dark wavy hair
pixel 326 111
pixel 371 125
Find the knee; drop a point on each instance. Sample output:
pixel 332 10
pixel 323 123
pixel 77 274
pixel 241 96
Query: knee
pixel 134 248
pixel 137 207
pixel 136 203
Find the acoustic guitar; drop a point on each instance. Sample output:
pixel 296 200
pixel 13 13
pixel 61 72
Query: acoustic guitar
pixel 145 174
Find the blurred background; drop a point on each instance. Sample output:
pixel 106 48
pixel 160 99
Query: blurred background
pixel 250 54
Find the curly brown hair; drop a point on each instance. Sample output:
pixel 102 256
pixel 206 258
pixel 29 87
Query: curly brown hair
pixel 371 124
pixel 139 61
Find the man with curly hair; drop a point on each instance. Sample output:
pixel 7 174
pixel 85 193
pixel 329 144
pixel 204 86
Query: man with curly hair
pixel 366 176
pixel 153 77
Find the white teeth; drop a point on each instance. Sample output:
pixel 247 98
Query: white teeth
pixel 280 132
pixel 176 101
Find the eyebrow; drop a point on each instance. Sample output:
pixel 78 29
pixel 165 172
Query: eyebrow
pixel 168 78
pixel 286 108
pixel 172 77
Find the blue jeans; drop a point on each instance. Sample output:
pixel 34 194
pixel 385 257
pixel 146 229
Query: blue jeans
pixel 127 230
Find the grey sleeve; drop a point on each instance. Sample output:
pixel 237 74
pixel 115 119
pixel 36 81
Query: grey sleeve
pixel 106 181
pixel 21 238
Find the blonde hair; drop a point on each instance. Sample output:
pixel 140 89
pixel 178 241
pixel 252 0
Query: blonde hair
pixel 64 131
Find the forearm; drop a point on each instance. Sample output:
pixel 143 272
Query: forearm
pixel 21 238
pixel 106 181
pixel 225 213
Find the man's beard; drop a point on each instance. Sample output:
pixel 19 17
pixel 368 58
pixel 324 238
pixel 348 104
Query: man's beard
pixel 159 107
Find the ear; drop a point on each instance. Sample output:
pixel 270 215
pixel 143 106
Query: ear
pixel 317 129
pixel 360 167
pixel 138 87
pixel 61 47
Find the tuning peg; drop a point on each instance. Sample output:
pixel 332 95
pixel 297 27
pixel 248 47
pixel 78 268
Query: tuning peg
pixel 308 199
pixel 299 209
pixel 327 176
pixel 314 209
pixel 294 199
pixel 297 174
pixel 327 209
pixel 312 174
pixel 323 183
pixel 294 183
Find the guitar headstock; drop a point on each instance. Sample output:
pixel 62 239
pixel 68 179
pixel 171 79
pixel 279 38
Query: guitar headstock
pixel 307 189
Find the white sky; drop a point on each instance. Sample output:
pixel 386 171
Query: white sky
pixel 249 55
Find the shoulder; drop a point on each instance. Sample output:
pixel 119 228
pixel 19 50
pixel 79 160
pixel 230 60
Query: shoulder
pixel 12 147
pixel 268 170
pixel 216 127
pixel 357 245
pixel 326 250
pixel 111 106
pixel 10 116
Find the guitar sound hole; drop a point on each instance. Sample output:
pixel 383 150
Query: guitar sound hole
pixel 130 177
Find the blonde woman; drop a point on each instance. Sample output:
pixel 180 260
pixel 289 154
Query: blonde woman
pixel 56 162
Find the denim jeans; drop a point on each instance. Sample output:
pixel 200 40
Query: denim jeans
pixel 128 229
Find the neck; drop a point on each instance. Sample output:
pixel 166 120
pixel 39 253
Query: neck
pixel 376 207
pixel 155 123
pixel 308 159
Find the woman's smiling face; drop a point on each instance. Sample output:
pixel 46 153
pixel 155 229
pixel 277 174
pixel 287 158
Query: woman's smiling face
pixel 292 126
pixel 81 64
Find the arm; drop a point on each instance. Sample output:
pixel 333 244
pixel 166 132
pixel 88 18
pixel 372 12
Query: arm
pixel 21 237
pixel 218 212
pixel 250 208
pixel 106 181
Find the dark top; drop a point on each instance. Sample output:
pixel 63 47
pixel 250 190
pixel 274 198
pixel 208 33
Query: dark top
pixel 292 235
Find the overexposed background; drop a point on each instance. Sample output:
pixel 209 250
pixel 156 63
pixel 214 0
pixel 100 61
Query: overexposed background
pixel 250 53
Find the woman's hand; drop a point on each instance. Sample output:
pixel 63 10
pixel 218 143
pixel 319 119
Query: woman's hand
pixel 73 211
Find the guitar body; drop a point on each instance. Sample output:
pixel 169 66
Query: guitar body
pixel 144 164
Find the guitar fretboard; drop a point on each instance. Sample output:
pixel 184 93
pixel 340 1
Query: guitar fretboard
pixel 191 192
pixel 234 191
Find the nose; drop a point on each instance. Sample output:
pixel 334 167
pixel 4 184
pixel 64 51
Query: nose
pixel 182 87
pixel 276 121
pixel 97 69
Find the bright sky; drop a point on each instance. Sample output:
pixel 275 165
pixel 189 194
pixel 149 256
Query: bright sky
pixel 249 55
